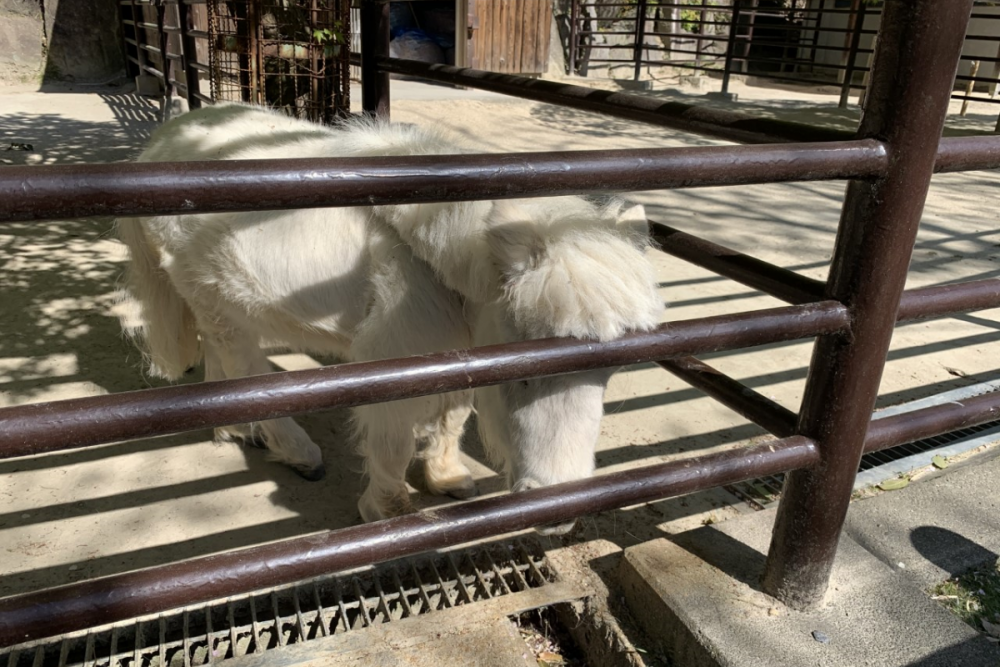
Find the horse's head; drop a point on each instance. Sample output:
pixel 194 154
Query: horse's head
pixel 568 268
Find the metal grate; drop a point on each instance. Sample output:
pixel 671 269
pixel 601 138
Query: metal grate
pixel 293 614
pixel 762 492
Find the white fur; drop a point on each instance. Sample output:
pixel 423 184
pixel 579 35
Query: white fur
pixel 390 281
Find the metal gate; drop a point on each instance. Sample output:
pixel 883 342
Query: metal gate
pixel 291 55
pixel 819 42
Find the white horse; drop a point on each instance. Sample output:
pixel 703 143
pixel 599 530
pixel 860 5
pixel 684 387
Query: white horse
pixel 390 281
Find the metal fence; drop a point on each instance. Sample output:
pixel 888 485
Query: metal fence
pixel 167 40
pixel 888 162
pixel 799 41
pixel 291 55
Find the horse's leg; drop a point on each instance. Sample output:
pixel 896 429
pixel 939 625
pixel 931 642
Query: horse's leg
pixel 443 468
pixel 411 313
pixel 239 355
pixel 387 446
pixel 245 433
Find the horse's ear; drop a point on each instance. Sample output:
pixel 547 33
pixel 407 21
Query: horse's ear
pixel 633 224
pixel 515 242
pixel 634 219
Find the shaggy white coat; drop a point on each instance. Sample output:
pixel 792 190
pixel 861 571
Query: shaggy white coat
pixel 390 281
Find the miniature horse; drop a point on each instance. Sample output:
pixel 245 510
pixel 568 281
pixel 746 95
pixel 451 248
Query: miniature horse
pixel 379 282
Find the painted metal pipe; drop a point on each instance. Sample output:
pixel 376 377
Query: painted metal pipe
pixel 768 278
pixel 45 427
pixel 955 153
pixel 29 429
pixel 374 31
pixel 940 300
pixel 968 153
pixel 132 189
pixel 735 395
pixel 929 422
pixel 91 603
pixel 916 304
pixel 918 49
pixel 707 121
pixel 119 597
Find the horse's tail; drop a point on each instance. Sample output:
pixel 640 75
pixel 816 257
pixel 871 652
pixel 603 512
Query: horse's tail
pixel 586 277
pixel 165 327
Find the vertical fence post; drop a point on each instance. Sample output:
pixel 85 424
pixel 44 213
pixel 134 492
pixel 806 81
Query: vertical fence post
pixel 574 34
pixel 189 54
pixel 911 84
pixel 700 43
pixel 816 31
pixel 852 55
pixel 374 45
pixel 640 37
pixel 748 38
pixel 973 72
pixel 734 31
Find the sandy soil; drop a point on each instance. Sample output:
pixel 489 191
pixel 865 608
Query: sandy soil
pixel 93 512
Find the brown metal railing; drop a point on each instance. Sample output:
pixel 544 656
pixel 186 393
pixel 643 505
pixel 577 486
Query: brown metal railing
pixel 889 163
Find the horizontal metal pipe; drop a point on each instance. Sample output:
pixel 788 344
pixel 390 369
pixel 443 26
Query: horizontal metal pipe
pixel 954 153
pixel 768 278
pixel 968 153
pixel 119 597
pixel 927 302
pixel 916 304
pixel 736 396
pixel 707 121
pixel 146 188
pixel 110 599
pixel 928 422
pixel 45 427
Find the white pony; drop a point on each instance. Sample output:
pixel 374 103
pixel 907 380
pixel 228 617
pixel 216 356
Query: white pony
pixel 390 281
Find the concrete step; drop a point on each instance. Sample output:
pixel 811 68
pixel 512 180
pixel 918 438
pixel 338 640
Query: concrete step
pixel 699 597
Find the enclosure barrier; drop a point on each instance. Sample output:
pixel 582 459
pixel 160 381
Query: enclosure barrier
pixel 813 44
pixel 737 36
pixel 889 162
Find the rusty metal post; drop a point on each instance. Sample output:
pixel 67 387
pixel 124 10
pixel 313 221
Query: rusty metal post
pixel 914 68
pixel 374 45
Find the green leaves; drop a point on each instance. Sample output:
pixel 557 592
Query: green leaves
pixel 893 484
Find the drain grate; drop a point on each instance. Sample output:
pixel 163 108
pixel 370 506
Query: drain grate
pixel 293 614
pixel 763 491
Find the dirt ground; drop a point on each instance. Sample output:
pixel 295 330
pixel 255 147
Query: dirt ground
pixel 93 512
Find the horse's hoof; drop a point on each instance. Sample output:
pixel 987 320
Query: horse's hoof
pixel 313 474
pixel 464 492
pixel 257 442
